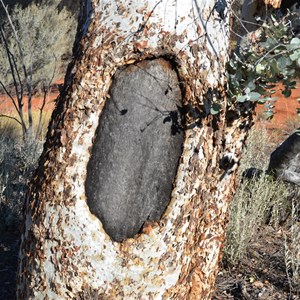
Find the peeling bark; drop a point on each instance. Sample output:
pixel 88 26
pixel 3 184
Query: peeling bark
pixel 65 252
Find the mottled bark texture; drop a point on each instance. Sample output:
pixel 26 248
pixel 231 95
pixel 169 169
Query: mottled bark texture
pixel 136 149
pixel 65 251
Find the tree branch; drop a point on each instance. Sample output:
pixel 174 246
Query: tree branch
pixel 12 118
pixel 10 96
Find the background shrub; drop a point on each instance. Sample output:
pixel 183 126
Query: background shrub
pixel 39 44
pixel 257 201
pixel 46 35
pixel 17 163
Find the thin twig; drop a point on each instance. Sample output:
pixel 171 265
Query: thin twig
pixel 10 58
pixel 10 117
pixel 10 96
pixel 241 21
pixel 38 130
pixel 29 103
pixel 238 35
pixel 13 68
pixel 267 53
pixel 46 89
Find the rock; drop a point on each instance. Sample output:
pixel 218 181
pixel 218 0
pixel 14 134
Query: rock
pixel 285 160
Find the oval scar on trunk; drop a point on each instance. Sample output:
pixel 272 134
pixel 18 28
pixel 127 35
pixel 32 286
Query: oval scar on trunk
pixel 136 149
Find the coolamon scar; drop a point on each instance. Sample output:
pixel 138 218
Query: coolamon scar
pixel 136 149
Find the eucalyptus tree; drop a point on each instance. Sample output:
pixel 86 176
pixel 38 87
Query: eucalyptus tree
pixel 131 195
pixel 33 41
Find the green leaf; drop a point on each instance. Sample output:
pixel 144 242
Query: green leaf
pixel 274 68
pixel 254 96
pixel 289 84
pixel 251 86
pixel 215 109
pixel 295 40
pixel 247 90
pixel 239 75
pixel 259 68
pixel 261 89
pixel 295 55
pixel 286 92
pixel 262 101
pixel 294 44
pixel 269 114
pixel 243 98
pixel 270 99
pixel 283 62
pixel 292 47
pixel 275 58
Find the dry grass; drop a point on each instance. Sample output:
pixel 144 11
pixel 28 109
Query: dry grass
pixel 259 146
pixel 18 160
pixel 254 204
pixel 9 124
pixel 262 201
pixel 292 123
pixel 292 247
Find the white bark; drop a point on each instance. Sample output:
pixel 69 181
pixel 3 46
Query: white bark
pixel 64 247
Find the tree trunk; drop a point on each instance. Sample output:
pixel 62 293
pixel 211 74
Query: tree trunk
pixel 164 241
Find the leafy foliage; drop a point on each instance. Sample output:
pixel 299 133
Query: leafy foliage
pixel 44 34
pixel 269 55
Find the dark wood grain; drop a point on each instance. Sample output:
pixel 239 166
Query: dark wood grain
pixel 136 149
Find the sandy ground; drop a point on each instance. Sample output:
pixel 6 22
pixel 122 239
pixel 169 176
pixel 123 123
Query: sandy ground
pixel 285 110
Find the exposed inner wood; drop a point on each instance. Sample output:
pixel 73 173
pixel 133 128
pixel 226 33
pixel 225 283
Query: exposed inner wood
pixel 136 149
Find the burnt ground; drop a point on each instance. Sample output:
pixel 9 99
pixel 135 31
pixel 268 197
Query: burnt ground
pixel 261 274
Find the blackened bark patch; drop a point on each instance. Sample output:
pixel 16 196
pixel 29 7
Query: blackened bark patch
pixel 136 150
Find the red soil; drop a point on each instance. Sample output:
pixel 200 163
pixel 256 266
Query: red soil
pixel 7 107
pixel 285 111
pixel 285 108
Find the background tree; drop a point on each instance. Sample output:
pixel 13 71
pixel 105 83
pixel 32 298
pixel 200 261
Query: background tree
pixel 31 55
pixel 69 252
